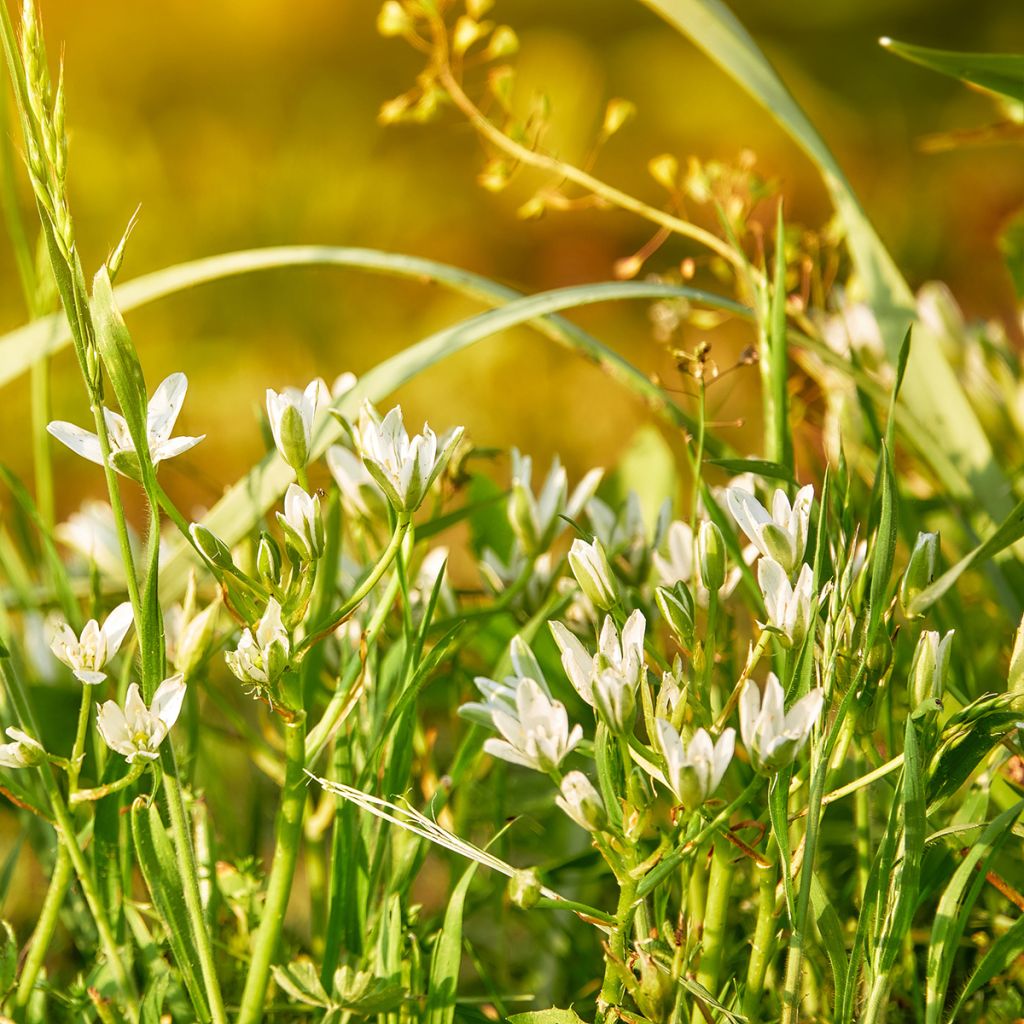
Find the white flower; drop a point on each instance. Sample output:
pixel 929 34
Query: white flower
pixel 161 415
pixel 582 802
pixel 623 654
pixel 772 737
pixel 694 772
pixel 291 413
pixel 303 528
pixel 536 733
pixel 615 700
pixel 590 566
pixel 87 654
pixel 781 535
pixel 788 606
pixel 537 521
pixel 500 695
pixel 404 468
pixel 359 491
pixel 23 752
pixel 262 657
pixel 92 533
pixel 137 731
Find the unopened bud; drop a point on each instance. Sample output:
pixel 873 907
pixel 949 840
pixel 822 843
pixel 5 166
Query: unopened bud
pixel 711 556
pixel 582 802
pixel 676 606
pixel 615 701
pixel 930 666
pixel 211 547
pixel 524 888
pixel 590 566
pixel 504 43
pixel 920 572
pixel 196 640
pixel 268 559
pixel 1015 679
pixel 393 20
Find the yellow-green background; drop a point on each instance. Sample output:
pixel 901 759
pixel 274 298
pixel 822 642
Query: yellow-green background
pixel 242 123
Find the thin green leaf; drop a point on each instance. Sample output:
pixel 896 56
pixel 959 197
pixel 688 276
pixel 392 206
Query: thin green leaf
pixel 831 932
pixel 447 958
pixel 1001 73
pixel 162 874
pixel 954 907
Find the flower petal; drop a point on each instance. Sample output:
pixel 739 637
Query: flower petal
pixel 80 441
pixel 164 407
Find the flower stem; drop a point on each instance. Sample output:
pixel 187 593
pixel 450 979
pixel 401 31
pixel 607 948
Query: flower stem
pixel 288 836
pixel 761 945
pixel 42 934
pixel 611 988
pixel 68 837
pixel 81 796
pixel 339 615
pixel 716 910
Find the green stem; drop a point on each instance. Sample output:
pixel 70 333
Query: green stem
pixel 716 911
pixel 286 851
pixel 356 597
pixel 42 934
pixel 876 1000
pixel 81 796
pixel 190 883
pixel 618 945
pixel 68 837
pixel 761 946
pixel 42 458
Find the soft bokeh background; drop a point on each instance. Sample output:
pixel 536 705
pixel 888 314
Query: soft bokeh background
pixel 253 122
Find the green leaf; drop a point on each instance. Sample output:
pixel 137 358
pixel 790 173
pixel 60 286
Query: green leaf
pixel 447 957
pixel 1001 73
pixel 552 1016
pixel 759 467
pixel 162 874
pixel 121 361
pixel 775 369
pixel 955 906
pixel 999 956
pixel 831 931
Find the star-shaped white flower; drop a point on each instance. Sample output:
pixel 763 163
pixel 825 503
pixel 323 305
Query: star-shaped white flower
pixel 693 773
pixel 85 655
pixel 262 656
pixel 138 731
pixel 536 734
pixel 621 654
pixel 161 415
pixel 782 535
pixel 404 467
pixel 291 413
pixel 772 736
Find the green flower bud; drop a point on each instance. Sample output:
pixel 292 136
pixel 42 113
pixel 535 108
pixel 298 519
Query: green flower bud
pixel 1015 679
pixel 211 547
pixel 524 888
pixel 930 666
pixel 711 556
pixel 268 559
pixel 676 606
pixel 590 566
pixel 920 572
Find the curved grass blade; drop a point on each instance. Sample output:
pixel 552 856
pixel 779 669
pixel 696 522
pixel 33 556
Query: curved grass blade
pixel 1001 73
pixel 447 958
pixel 246 502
